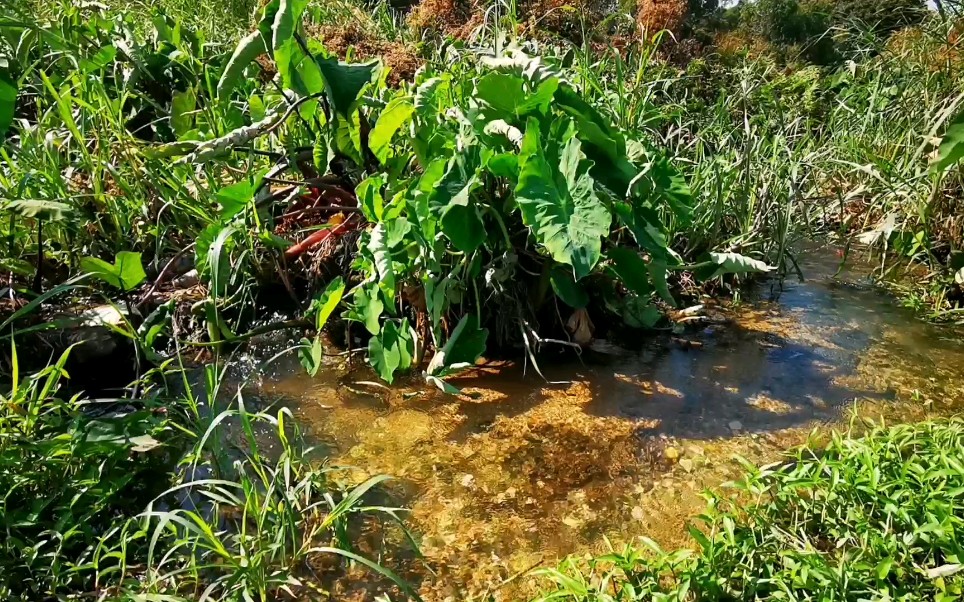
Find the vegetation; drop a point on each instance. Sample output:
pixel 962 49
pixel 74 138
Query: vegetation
pixel 876 517
pixel 437 182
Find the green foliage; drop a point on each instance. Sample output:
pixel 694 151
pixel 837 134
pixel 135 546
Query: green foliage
pixel 124 274
pixel 879 516
pixel 66 477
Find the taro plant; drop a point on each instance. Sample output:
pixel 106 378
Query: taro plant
pixel 490 199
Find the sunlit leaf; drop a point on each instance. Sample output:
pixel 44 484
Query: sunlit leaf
pixel 390 121
pixel 345 81
pixel 391 350
pixel 125 273
pixel 327 301
pixel 559 203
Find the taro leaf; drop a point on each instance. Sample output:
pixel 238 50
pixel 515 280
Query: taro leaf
pixel 249 48
pixel 504 165
pixel 8 101
pixel 540 99
pixel 125 273
pixel 642 222
pixel 49 211
pixel 461 222
pixel 183 105
pixel 345 81
pixel 367 308
pixel 348 137
pixel 660 180
pixel 452 202
pixel 657 273
pixel 950 152
pixel 310 355
pixel 395 115
pixel 391 349
pixel 638 313
pixel 632 270
pixel 503 92
pixel 370 199
pixel 605 146
pixel 559 204
pixel 463 348
pixel 327 301
pixel 378 247
pixel 734 263
pixel 298 70
pixel 235 197
pixel 566 288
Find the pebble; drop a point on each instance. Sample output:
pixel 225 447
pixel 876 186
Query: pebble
pixel 686 464
pixel 736 425
pixel 671 453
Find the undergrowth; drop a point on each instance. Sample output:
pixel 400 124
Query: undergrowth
pixel 877 517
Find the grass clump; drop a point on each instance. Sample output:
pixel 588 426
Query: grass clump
pixel 878 517
pixel 166 497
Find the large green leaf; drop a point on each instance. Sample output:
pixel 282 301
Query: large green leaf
pixel 391 350
pixel 249 48
pixel 8 101
pixel 327 301
pixel 125 273
pixel 503 92
pixel 369 195
pixel 632 270
pixel 566 288
pixel 645 227
pixel 183 106
pixel 560 204
pixel 452 201
pixel 367 308
pixel 380 250
pixel 297 69
pixel 395 115
pixel 952 145
pixel 345 81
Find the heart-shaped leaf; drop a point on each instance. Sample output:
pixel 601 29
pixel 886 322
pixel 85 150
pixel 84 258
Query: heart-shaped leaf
pixel 125 273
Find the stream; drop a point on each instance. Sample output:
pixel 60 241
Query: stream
pixel 518 472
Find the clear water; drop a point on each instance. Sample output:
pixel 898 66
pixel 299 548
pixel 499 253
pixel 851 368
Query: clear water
pixel 517 473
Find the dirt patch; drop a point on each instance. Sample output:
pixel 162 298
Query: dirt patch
pixel 401 60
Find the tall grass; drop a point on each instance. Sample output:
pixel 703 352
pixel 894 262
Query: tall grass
pixel 165 498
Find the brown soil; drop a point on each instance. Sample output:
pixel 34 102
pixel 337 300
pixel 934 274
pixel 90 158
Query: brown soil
pixel 401 60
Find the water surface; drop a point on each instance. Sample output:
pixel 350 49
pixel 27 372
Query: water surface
pixel 518 472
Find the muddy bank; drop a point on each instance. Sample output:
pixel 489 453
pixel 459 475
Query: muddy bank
pixel 518 472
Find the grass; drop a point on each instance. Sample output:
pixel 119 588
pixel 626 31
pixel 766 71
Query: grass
pixel 876 517
pixel 165 496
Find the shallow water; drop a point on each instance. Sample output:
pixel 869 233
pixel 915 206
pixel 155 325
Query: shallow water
pixel 518 473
